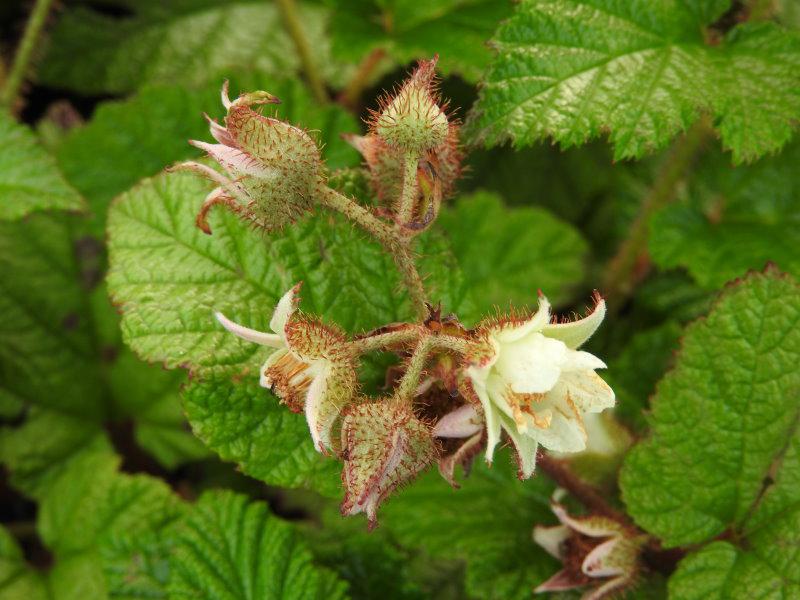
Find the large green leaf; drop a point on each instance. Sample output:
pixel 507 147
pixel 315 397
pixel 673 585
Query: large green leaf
pixel 723 417
pixel 640 70
pixel 733 220
pixel 508 254
pixel 231 548
pixel 488 523
pixel 17 580
pixel 187 42
pixel 246 424
pixel 457 30
pixel 169 277
pixel 29 178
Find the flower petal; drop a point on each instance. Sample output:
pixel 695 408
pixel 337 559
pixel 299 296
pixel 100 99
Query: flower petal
pixel 595 526
pixel 526 446
pixel 564 434
pixel 575 333
pixel 233 160
pixel 532 365
pixel 492 416
pixel 462 422
pixel 559 582
pixel 596 563
pixel 587 391
pixel 251 335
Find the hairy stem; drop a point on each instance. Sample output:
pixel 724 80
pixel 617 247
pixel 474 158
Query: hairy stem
pixel 22 59
pixel 408 384
pixel 631 261
pixel 386 339
pixel 352 93
pixel 594 502
pixel 408 195
pixel 398 247
pixel 288 10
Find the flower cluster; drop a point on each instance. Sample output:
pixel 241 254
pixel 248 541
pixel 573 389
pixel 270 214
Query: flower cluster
pixel 458 391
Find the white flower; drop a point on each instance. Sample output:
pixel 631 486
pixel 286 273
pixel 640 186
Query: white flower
pixel 312 369
pixel 535 384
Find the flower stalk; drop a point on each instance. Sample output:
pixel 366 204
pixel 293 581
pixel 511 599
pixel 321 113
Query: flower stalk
pixel 405 205
pixel 294 28
pixel 22 59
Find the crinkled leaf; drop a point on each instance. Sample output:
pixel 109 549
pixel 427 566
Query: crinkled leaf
pixel 507 254
pixel 457 30
pixel 29 177
pixel 231 548
pixel 733 220
pixel 640 70
pixel 187 43
pixel 247 424
pixel 488 523
pixel 17 580
pixel 169 277
pixel 722 417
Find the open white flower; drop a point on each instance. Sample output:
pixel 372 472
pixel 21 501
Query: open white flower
pixel 312 369
pixel 535 384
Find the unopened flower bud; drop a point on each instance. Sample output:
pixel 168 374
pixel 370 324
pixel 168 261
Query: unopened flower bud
pixel 312 370
pixel 272 167
pixel 412 119
pixel 383 445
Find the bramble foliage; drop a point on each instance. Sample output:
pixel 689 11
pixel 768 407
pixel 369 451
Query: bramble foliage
pixel 337 299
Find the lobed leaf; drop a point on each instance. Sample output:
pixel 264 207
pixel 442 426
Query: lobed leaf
pixel 641 71
pixel 722 418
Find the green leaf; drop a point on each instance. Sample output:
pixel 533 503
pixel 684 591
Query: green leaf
pixel 488 523
pixel 29 178
pixel 457 30
pixel 135 138
pixel 17 580
pixel 733 220
pixel 507 254
pixel 232 548
pixel 640 70
pixel 247 424
pixel 722 417
pixel 187 43
pixel 169 277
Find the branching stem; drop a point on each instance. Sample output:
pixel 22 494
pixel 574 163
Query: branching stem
pixel 22 59
pixel 625 269
pixel 397 246
pixel 288 10
pixel 387 339
pixel 410 381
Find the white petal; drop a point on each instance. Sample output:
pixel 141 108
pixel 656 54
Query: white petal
pixel 563 435
pixel 586 389
pixel 462 422
pixel 223 94
pixel 551 538
pixel 263 380
pixel 532 365
pixel 575 333
pixel 286 306
pixel 251 335
pixel 535 323
pixel 578 360
pixel 320 432
pixel 595 527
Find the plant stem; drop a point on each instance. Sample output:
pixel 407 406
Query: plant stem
pixel 355 87
pixel 560 473
pixel 408 195
pixel 408 384
pixel 386 339
pixel 19 68
pixel 398 247
pixel 288 10
pixel 625 269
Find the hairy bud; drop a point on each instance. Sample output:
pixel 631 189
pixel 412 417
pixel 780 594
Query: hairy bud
pixel 384 445
pixel 272 167
pixel 412 119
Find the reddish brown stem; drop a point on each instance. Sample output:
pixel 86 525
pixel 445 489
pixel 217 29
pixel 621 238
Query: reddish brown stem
pixel 350 96
pixel 560 473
